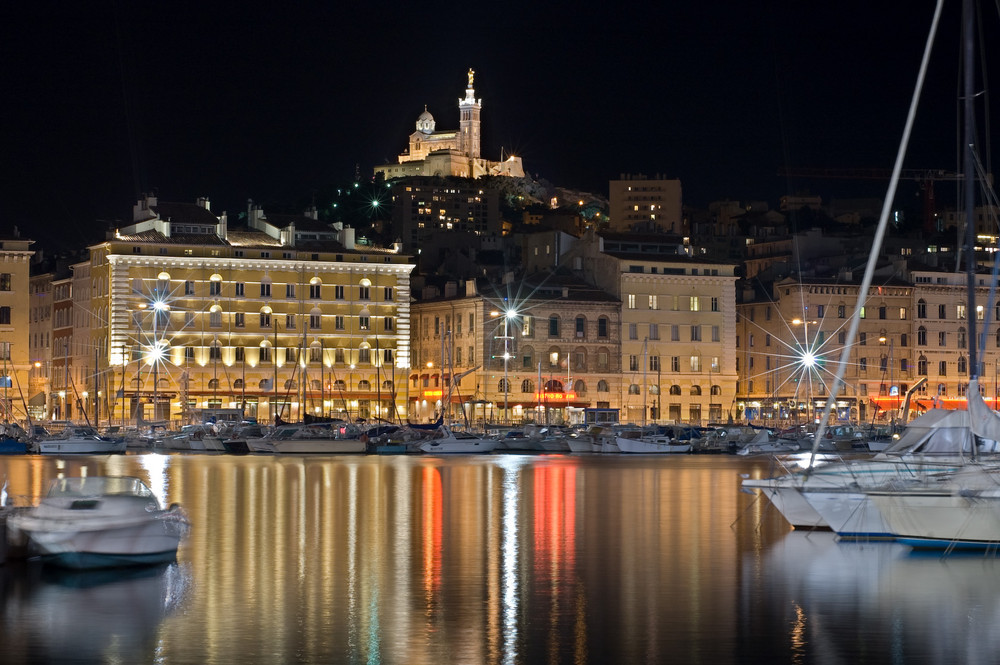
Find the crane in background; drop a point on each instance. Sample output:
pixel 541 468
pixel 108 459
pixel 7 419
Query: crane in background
pixel 925 178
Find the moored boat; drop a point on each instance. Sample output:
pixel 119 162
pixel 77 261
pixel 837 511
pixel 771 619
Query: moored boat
pixel 447 440
pixel 101 522
pixel 79 440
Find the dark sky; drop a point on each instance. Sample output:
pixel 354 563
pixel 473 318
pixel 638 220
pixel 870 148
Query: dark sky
pixel 106 99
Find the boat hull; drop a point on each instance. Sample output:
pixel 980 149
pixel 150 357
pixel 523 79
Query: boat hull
pixel 69 447
pixel 648 446
pixel 948 520
pixel 114 541
pixel 851 515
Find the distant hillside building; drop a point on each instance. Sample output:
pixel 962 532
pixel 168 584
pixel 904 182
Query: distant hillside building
pixel 433 152
pixel 644 204
pixel 424 208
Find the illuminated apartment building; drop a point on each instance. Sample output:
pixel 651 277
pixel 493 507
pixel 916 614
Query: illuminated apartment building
pixel 286 318
pixel 15 360
pixel 541 349
pixel 790 340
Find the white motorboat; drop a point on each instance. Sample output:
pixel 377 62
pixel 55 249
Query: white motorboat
pixel 937 441
pixel 769 447
pixel 447 440
pixel 79 440
pixel 593 440
pixel 634 441
pixel 101 522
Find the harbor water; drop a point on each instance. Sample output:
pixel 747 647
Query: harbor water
pixel 488 559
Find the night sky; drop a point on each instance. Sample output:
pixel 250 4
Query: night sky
pixel 104 100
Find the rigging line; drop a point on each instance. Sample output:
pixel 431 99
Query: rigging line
pixel 883 223
pixel 991 198
pixel 986 86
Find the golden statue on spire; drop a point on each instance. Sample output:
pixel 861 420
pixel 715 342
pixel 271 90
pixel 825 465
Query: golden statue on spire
pixel 472 75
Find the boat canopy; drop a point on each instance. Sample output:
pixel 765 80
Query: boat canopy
pixel 937 432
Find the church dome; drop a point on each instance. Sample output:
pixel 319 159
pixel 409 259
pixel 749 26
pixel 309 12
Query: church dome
pixel 425 123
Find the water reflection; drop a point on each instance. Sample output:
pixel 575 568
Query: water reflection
pixel 907 606
pixel 509 559
pixel 86 616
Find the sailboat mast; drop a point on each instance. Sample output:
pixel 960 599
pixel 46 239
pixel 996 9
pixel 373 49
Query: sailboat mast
pixel 645 387
pixel 968 20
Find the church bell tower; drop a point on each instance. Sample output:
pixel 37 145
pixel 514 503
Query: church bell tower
pixel 469 125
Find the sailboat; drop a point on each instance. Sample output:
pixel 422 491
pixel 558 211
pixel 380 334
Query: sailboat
pixel 935 446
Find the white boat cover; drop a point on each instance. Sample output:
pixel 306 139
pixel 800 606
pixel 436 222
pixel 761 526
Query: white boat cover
pixel 937 432
pixel 985 421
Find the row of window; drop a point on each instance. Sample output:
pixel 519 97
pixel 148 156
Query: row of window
pixel 292 354
pixel 314 384
pixel 961 338
pixel 694 364
pixel 694 303
pixel 239 290
pixel 266 320
pixel 675 332
pixel 883 365
pixel 525 325
pixel 883 311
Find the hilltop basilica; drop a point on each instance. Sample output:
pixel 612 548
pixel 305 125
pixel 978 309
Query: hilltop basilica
pixel 450 152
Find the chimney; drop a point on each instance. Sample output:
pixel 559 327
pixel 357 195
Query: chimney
pixel 450 289
pixel 347 237
pixel 470 288
pixel 204 203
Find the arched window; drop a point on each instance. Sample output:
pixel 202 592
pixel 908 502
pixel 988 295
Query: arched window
pixel 633 389
pixel 527 386
pixel 264 384
pixel 503 386
pixel 962 340
pixel 364 384
pixel 922 366
pixel 291 384
pixel 315 288
pixel 339 384
pixel 315 384
pixel 162 285
pixel 922 337
pixel 603 326
pixel 963 365
pixel 716 390
pixel 554 326
pixel 553 386
pixel 579 387
pixel 388 385
pixel 213 384
pixel 654 390
pixel 695 390
pixel 602 386
pixel 675 390
pixel 238 384
pixel 921 309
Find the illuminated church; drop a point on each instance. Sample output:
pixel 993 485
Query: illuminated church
pixel 450 152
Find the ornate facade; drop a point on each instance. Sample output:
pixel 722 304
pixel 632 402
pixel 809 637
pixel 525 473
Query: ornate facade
pixel 196 315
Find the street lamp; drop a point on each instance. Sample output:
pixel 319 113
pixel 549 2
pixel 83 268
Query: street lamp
pixel 508 317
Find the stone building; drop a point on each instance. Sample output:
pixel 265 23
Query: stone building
pixel 279 319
